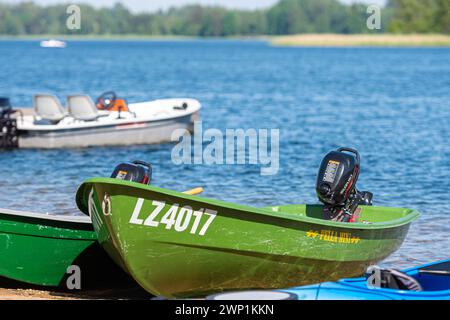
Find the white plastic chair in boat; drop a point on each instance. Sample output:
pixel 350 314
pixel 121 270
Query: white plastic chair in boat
pixel 82 107
pixel 48 107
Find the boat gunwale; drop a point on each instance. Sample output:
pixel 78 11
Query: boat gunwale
pixel 61 132
pixel 409 217
pixel 42 216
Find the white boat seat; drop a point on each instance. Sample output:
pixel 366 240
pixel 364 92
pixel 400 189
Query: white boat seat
pixel 48 107
pixel 82 107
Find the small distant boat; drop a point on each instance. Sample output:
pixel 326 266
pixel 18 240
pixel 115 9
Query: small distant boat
pixel 109 121
pixel 53 43
pixel 178 245
pixel 427 282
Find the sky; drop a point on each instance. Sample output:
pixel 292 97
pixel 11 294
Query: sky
pixel 154 5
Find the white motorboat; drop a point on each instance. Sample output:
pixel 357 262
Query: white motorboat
pixel 52 43
pixel 111 121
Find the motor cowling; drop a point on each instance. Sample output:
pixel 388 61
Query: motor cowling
pixel 336 184
pixel 337 176
pixel 135 171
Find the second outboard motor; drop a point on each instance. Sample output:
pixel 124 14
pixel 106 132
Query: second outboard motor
pixel 136 171
pixel 336 185
pixel 8 125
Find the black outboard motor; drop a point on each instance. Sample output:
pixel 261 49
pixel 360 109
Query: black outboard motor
pixel 9 137
pixel 336 185
pixel 136 171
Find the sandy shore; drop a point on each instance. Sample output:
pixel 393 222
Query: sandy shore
pixel 37 294
pixel 365 40
pixel 12 290
pixel 29 294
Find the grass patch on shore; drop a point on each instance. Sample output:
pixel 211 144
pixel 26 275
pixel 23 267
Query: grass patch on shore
pixel 363 40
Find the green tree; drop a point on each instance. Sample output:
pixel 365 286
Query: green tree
pixel 8 23
pixel 355 19
pixel 442 16
pixel 413 16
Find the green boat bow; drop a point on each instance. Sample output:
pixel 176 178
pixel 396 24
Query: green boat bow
pixel 180 245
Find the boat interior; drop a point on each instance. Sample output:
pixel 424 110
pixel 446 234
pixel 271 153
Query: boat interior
pixel 368 214
pixel 48 109
pixel 81 109
pixel 430 278
pixel 434 277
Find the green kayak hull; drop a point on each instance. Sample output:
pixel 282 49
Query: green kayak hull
pixel 178 245
pixel 38 248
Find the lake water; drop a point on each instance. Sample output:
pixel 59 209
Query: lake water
pixel 393 105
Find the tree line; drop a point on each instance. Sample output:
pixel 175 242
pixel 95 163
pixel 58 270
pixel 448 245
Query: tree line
pixel 285 17
pixel 420 16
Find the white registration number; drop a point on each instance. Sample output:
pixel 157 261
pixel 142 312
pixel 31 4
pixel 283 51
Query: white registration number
pixel 180 219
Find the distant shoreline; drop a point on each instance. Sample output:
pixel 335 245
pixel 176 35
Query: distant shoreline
pixel 129 37
pixel 299 40
pixel 66 37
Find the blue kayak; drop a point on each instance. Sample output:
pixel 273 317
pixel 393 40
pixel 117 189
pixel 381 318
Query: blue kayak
pixel 434 280
pixel 426 282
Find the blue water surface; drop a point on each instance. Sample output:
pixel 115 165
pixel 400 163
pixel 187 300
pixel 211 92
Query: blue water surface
pixel 392 104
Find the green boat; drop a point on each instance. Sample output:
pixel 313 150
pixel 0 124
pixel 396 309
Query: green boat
pixel 38 248
pixel 179 245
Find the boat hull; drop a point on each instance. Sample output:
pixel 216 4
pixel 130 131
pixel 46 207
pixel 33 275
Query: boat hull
pixel 241 248
pixel 132 133
pixel 38 249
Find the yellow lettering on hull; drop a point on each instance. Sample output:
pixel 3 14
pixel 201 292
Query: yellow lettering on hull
pixel 333 236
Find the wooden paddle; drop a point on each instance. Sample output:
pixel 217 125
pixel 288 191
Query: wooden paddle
pixel 194 191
